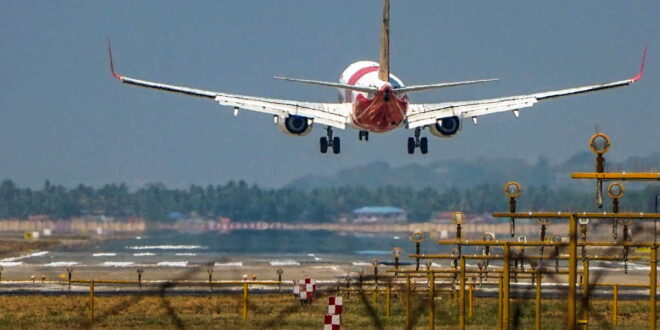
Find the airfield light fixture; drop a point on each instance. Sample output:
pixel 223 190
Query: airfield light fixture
pixel 458 218
pixel 627 237
pixel 615 190
pixel 254 277
pixel 139 272
pixel 487 237
pixel 279 278
pixel 533 264
pixel 583 234
pixel 512 190
pixel 418 238
pixel 210 271
pixel 599 144
pixel 481 264
pixel 396 253
pixel 556 239
pixel 520 257
pixel 375 262
pixel 544 222
pixel 69 270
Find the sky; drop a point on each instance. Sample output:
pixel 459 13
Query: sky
pixel 64 118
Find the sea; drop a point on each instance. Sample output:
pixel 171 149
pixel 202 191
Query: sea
pixel 281 248
pixel 170 248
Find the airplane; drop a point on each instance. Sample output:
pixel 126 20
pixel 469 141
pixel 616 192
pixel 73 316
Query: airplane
pixel 372 99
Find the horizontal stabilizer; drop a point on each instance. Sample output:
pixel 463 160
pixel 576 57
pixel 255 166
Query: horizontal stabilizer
pixel 332 84
pixel 417 88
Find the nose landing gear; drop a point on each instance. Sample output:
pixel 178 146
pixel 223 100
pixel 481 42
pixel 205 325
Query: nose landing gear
pixel 330 141
pixel 363 134
pixel 417 142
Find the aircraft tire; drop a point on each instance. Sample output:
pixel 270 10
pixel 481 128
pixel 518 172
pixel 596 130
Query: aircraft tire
pixel 324 145
pixel 336 145
pixel 411 146
pixel 424 145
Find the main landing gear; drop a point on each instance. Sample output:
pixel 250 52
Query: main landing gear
pixel 416 142
pixel 329 141
pixel 363 134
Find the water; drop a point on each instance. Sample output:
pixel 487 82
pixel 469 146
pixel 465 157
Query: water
pixel 235 249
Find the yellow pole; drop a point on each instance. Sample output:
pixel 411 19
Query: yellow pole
pixel 615 303
pixel 506 285
pixel 500 295
pixel 572 272
pixel 471 300
pixel 91 302
pixel 408 303
pixel 653 287
pixel 461 306
pixel 374 296
pixel 244 313
pixel 585 292
pixel 537 309
pixel 388 298
pixel 431 300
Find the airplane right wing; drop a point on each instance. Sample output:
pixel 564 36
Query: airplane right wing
pixel 428 114
pixel 331 114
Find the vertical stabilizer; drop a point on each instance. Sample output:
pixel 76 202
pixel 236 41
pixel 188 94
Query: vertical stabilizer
pixel 384 69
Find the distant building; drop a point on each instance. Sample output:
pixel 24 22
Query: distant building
pixel 374 214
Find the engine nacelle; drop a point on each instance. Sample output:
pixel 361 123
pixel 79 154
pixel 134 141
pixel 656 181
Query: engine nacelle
pixel 295 125
pixel 447 128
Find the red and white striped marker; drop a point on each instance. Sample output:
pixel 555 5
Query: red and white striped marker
pixel 331 322
pixel 335 305
pixel 305 289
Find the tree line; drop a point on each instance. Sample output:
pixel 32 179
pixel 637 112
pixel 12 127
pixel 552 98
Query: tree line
pixel 242 202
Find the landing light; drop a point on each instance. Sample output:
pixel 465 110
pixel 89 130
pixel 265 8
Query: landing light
pixel 615 190
pixel 417 237
pixel 512 189
pixel 457 218
pixel 396 252
pixel 599 143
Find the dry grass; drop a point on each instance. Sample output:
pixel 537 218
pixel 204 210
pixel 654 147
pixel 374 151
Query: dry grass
pixel 280 311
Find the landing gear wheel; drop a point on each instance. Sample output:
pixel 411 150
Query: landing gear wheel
pixel 324 145
pixel 424 145
pixel 336 145
pixel 411 145
pixel 363 135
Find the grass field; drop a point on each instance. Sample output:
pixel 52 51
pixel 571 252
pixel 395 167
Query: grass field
pixel 269 311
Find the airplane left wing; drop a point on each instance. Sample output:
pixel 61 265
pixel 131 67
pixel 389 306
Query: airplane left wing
pixel 420 115
pixel 331 114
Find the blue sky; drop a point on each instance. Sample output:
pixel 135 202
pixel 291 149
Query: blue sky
pixel 63 117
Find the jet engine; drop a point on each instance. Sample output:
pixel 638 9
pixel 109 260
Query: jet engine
pixel 295 125
pixel 447 127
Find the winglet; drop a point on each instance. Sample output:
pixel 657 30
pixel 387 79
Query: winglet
pixel 112 65
pixel 641 67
